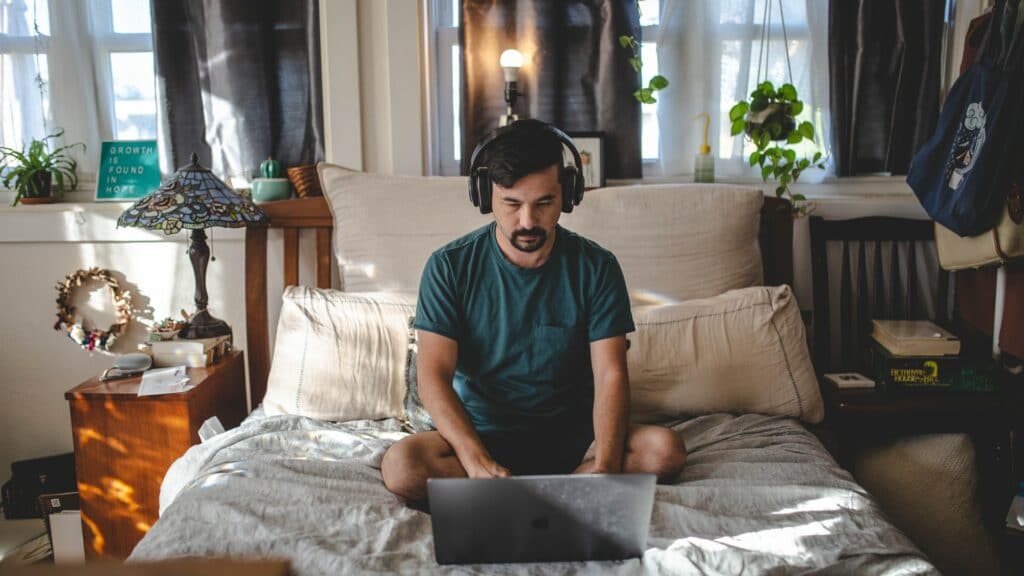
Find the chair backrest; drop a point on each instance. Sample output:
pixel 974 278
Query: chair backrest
pixel 911 286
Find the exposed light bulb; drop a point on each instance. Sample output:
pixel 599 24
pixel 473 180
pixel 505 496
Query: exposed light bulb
pixel 511 61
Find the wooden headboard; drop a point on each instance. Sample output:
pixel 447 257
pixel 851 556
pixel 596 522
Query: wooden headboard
pixel 776 240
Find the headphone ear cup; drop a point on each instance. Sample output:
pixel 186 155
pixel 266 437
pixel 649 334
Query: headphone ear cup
pixel 483 189
pixel 570 188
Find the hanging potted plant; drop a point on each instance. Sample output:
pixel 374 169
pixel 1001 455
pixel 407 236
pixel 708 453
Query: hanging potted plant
pixel 36 173
pixel 768 118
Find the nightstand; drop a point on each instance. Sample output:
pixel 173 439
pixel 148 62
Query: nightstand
pixel 124 445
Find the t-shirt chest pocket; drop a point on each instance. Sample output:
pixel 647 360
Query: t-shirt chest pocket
pixel 553 350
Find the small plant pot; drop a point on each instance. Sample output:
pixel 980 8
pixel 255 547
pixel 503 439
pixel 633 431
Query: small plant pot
pixel 271 189
pixel 40 191
pixel 756 121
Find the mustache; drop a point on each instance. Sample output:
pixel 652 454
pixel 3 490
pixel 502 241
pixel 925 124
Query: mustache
pixel 538 232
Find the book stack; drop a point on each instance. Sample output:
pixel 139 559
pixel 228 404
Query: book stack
pixel 919 354
pixel 192 353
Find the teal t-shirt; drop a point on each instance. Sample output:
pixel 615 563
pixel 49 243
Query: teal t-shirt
pixel 524 333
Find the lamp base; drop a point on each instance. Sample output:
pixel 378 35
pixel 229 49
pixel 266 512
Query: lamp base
pixel 203 325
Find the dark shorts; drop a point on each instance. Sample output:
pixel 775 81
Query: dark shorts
pixel 556 448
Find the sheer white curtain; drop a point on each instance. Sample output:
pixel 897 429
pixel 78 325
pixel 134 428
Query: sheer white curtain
pixel 708 49
pixel 65 64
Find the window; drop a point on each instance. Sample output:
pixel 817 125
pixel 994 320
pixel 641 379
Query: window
pixel 446 135
pixel 709 51
pixel 66 40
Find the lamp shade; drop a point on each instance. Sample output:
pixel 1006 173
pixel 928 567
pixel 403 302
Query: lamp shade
pixel 193 198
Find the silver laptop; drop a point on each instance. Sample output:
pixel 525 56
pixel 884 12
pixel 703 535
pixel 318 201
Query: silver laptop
pixel 540 518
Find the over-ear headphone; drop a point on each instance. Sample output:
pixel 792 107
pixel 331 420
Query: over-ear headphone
pixel 570 177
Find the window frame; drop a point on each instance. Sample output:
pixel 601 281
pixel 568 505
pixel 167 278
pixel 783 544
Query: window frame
pixel 105 42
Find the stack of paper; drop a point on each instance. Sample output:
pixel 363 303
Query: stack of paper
pixel 165 381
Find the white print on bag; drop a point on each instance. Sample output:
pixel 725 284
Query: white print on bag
pixel 966 144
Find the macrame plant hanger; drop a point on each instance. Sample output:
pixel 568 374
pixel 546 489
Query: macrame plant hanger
pixel 765 48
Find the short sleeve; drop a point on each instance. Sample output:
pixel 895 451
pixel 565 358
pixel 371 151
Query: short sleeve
pixel 609 303
pixel 436 306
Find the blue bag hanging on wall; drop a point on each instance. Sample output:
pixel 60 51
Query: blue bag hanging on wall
pixel 961 174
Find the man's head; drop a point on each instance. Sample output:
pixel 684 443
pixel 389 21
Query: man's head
pixel 525 166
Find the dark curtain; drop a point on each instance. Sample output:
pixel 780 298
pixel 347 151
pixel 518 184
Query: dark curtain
pixel 238 80
pixel 575 74
pixel 885 59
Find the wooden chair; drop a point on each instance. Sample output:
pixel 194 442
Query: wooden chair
pixel 862 298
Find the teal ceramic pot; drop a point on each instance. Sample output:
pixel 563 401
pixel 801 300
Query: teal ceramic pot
pixel 270 189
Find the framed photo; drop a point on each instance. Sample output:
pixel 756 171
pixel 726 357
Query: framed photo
pixel 591 147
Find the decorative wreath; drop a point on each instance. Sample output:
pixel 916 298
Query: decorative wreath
pixel 94 339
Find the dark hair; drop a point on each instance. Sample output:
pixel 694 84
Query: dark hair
pixel 529 147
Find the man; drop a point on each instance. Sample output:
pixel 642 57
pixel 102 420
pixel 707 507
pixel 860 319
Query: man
pixel 522 346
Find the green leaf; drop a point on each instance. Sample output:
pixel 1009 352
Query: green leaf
pixel 625 41
pixel 759 103
pixel 737 127
pixel 788 92
pixel 799 197
pixel 817 156
pixel 780 191
pixel 789 154
pixel 796 108
pixel 794 137
pixel 766 171
pixel 738 111
pixel 803 163
pixel 658 82
pixel 766 88
pixel 807 129
pixel 635 63
pixel 755 157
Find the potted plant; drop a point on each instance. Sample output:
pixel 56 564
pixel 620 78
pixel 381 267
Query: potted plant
pixel 37 172
pixel 768 118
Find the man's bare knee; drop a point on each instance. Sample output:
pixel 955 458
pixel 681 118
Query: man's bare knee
pixel 404 470
pixel 669 455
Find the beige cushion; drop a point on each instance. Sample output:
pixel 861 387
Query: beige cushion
pixel 927 485
pixel 339 356
pixel 385 227
pixel 674 242
pixel 742 351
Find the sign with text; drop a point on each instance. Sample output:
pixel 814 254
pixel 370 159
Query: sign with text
pixel 129 169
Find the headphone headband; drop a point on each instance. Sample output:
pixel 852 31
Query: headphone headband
pixel 570 177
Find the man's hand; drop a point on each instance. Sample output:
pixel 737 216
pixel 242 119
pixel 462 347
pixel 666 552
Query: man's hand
pixel 481 465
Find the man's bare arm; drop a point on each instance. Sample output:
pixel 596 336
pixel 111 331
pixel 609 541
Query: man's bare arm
pixel 611 403
pixel 435 369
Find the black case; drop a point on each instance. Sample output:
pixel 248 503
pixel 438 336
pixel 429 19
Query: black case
pixel 30 478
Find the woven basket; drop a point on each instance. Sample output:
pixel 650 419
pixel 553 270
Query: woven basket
pixel 305 180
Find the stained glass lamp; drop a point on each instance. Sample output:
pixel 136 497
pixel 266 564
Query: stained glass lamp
pixel 195 199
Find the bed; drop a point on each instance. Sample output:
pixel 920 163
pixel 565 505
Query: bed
pixel 759 492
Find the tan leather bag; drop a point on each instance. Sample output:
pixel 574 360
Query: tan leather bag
pixel 999 245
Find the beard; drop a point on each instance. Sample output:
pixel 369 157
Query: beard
pixel 534 239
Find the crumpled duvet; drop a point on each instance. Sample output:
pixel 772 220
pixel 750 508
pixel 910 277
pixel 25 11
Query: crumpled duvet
pixel 758 495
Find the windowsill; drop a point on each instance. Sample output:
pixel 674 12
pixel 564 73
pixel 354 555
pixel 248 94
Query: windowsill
pixel 882 187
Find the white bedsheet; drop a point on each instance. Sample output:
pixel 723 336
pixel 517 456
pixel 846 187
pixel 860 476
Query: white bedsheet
pixel 759 494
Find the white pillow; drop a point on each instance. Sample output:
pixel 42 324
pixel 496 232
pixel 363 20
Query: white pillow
pixel 743 351
pixel 674 242
pixel 385 227
pixel 340 356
